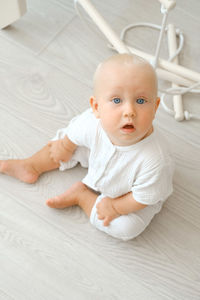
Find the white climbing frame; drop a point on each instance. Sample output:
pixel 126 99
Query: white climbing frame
pixel 170 71
pixel 181 72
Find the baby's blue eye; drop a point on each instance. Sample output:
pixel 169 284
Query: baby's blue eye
pixel 116 100
pixel 140 101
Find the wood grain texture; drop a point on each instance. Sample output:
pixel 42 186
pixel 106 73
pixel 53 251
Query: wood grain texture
pixel 47 61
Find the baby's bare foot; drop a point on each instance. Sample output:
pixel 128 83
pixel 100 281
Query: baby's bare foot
pixel 20 169
pixel 68 198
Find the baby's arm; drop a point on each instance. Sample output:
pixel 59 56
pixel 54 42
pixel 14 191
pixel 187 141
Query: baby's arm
pixel 61 150
pixel 111 208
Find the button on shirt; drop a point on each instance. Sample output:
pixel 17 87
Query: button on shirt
pixel 145 168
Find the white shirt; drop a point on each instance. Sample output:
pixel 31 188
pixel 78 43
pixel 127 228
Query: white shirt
pixel 145 168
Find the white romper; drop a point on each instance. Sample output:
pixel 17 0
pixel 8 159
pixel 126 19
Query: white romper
pixel 145 168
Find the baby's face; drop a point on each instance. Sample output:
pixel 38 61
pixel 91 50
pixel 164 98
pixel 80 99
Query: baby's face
pixel 126 102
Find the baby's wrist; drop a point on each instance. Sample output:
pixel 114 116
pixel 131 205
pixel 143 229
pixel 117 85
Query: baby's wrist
pixel 68 145
pixel 64 143
pixel 114 208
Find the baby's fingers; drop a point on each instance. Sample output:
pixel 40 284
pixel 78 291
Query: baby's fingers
pixel 100 217
pixel 107 221
pixel 54 158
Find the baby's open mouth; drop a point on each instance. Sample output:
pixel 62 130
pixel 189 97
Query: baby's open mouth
pixel 128 126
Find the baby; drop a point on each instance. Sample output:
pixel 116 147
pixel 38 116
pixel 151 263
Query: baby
pixel 130 169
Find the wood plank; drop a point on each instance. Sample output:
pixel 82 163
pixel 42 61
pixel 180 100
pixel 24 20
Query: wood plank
pixel 43 20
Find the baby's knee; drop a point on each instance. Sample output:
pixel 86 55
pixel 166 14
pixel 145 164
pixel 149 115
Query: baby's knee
pixel 126 227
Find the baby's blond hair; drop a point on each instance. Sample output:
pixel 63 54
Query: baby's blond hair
pixel 125 59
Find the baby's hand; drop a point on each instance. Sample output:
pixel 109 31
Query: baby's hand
pixel 57 151
pixel 106 211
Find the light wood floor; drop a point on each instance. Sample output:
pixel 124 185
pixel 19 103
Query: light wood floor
pixel 47 60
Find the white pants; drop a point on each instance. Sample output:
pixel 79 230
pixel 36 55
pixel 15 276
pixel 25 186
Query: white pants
pixel 125 227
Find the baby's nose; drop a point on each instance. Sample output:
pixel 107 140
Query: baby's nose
pixel 129 110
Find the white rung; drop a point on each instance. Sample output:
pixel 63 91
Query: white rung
pixel 172 46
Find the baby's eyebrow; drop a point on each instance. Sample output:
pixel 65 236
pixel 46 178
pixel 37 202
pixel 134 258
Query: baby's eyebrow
pixel 113 95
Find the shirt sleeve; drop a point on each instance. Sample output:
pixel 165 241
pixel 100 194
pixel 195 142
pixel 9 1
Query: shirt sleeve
pixel 154 182
pixel 82 129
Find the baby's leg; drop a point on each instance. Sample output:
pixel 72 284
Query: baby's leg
pixel 29 169
pixel 78 194
pixel 126 227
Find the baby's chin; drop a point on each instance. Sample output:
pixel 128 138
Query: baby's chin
pixel 128 140
pixel 123 142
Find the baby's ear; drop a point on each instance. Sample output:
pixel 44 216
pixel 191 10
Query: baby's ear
pixel 157 102
pixel 95 106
